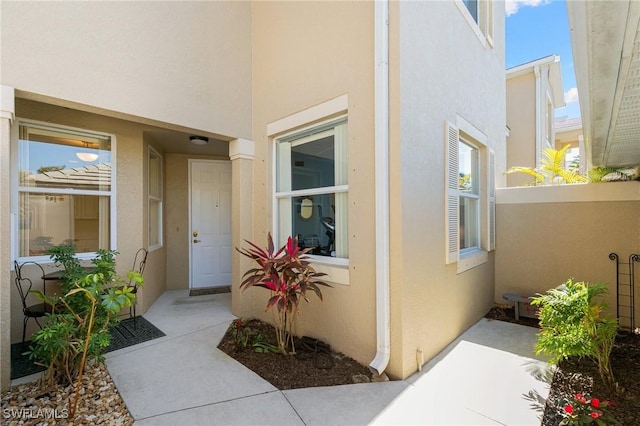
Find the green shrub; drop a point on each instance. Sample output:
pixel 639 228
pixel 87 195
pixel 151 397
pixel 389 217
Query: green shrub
pixel 573 324
pixel 78 328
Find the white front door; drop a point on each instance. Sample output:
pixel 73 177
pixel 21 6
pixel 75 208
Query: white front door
pixel 210 233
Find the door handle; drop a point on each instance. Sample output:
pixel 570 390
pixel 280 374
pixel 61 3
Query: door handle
pixel 196 241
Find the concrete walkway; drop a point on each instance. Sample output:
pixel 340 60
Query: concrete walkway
pixel 488 376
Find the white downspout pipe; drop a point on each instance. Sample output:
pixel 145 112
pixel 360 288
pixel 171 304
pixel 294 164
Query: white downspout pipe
pixel 381 105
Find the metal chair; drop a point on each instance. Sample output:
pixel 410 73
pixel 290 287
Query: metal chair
pixel 24 286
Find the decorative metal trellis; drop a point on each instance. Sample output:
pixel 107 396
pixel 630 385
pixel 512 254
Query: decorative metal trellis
pixel 625 290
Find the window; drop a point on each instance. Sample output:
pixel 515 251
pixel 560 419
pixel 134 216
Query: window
pixel 312 189
pixel 472 7
pixel 64 189
pixel 479 15
pixel 470 196
pixel 155 199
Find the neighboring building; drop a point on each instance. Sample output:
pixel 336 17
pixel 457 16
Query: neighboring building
pixel 341 122
pixel 568 131
pixel 549 234
pixel 534 91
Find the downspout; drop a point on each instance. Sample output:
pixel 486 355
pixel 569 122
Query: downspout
pixel 381 106
pixel 539 131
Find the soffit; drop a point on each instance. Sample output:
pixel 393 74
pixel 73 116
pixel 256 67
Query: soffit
pixel 606 45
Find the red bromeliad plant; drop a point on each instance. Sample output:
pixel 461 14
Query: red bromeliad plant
pixel 287 274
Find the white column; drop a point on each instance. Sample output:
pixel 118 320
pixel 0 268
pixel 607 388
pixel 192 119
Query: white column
pixel 7 114
pixel 241 153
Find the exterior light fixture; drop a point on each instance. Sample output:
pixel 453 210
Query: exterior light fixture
pixel 199 140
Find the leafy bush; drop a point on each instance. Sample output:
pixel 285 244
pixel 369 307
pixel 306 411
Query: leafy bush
pixel 288 276
pixel 573 324
pixel 552 169
pixel 78 328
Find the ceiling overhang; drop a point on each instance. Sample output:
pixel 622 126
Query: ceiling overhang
pixel 605 37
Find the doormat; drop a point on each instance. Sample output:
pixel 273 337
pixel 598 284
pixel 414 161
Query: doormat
pixel 125 334
pixel 209 290
pixel 132 331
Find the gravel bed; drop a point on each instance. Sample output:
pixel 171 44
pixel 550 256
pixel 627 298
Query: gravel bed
pixel 99 403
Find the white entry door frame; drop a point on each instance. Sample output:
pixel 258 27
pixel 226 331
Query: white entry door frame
pixel 209 223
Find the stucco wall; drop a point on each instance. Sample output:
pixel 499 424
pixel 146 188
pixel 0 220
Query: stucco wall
pixel 442 71
pixel 184 63
pixel 546 235
pixel 306 53
pixel 130 196
pixel 521 119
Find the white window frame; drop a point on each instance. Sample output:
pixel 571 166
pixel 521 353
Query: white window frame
pixel 475 256
pixel 16 189
pixel 336 189
pixel 155 199
pixel 337 269
pixel 474 195
pixel 484 26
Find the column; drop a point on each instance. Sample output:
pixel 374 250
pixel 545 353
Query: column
pixel 241 152
pixel 7 113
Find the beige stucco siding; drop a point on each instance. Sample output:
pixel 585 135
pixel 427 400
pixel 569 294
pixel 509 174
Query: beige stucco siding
pixel 560 238
pixel 131 197
pixel 320 51
pixel 521 119
pixel 183 63
pixel 444 71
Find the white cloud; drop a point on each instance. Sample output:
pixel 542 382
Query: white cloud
pixel 511 6
pixel 571 95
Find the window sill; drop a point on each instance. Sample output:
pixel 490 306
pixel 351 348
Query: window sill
pixel 472 259
pixel 337 270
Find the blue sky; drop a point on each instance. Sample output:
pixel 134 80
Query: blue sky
pixel 539 28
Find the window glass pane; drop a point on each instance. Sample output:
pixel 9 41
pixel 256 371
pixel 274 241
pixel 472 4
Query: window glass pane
pixel 46 220
pixel 155 175
pixel 313 220
pixel 468 158
pixel 472 6
pixel 468 222
pixel 155 217
pixel 50 158
pixel 312 164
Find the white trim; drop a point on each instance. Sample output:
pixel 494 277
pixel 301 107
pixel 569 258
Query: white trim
pixel 313 191
pixel 159 199
pixel 7 103
pixel 309 116
pixel 337 269
pixel 576 193
pixel 242 148
pixel 475 26
pixel 528 67
pixel 288 136
pixel 471 259
pixel 472 131
pixel 540 132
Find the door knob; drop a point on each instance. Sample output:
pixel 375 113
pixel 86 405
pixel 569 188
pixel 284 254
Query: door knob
pixel 196 241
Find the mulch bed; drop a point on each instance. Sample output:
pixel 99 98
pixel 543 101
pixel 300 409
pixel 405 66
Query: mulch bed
pixel 294 371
